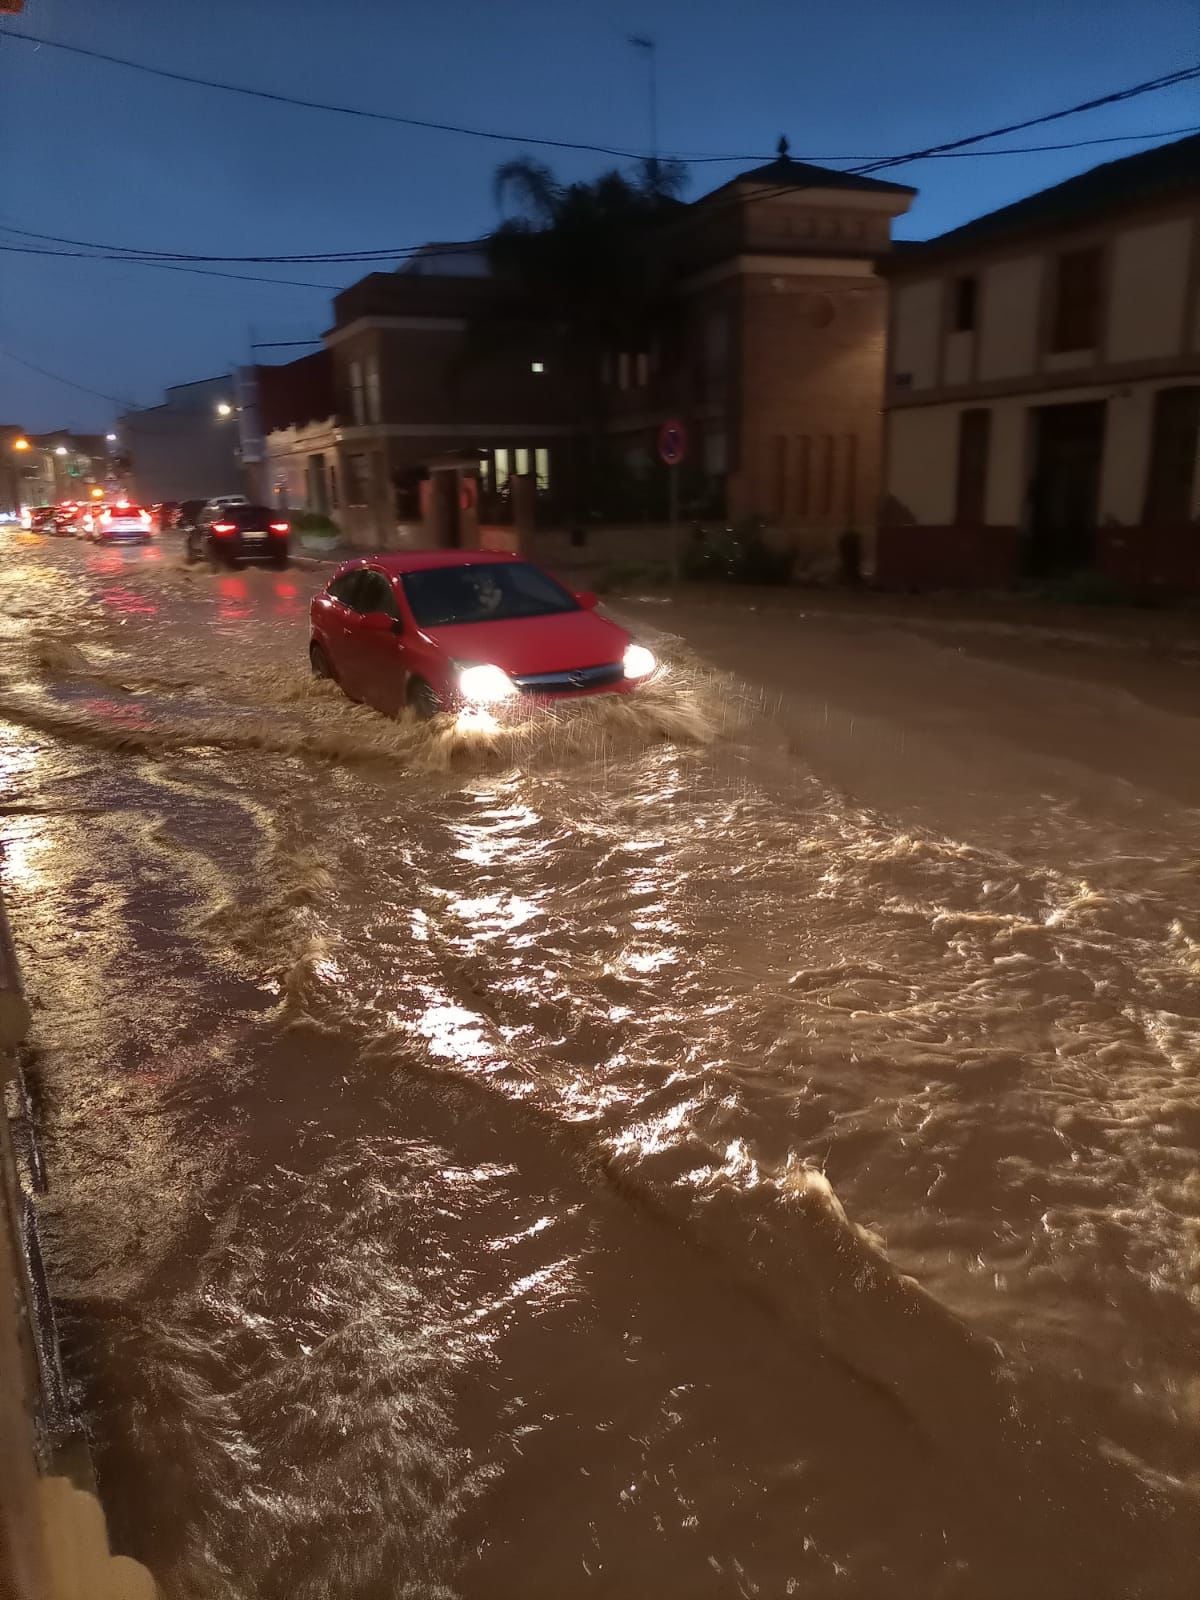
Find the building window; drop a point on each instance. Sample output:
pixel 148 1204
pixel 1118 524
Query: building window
pixel 643 368
pixel 779 483
pixel 825 475
pixel 358 480
pixel 966 292
pixel 623 370
pixel 716 454
pixel 1076 318
pixel 521 466
pixel 374 403
pixel 537 366
pixel 501 471
pixel 974 438
pixel 1172 474
pixel 485 471
pixel 541 467
pixel 804 476
pixel 358 409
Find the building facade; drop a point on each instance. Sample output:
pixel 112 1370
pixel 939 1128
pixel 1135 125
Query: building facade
pixel 769 347
pixel 188 448
pixel 1043 399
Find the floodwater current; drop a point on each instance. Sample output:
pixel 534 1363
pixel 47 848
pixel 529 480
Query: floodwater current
pixel 602 1157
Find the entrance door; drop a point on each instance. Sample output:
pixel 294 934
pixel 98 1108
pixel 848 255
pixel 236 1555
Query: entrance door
pixel 1064 496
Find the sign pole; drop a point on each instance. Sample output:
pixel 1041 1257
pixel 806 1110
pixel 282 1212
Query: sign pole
pixel 673 490
pixel 672 448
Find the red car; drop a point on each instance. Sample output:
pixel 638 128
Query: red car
pixel 446 630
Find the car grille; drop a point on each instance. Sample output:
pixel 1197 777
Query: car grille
pixel 572 681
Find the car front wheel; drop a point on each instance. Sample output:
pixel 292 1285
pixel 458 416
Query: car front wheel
pixel 423 700
pixel 321 665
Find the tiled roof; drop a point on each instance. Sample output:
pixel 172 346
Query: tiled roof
pixel 1157 174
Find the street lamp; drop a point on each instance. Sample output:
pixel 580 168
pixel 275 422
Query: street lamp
pixel 224 409
pixel 111 437
pixel 60 450
pixel 20 444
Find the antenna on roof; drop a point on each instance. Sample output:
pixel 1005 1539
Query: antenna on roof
pixel 783 147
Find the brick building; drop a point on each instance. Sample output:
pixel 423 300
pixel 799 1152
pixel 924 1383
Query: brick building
pixel 770 348
pixel 1043 403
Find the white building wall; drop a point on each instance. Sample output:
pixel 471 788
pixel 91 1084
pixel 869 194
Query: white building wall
pixel 1010 295
pixel 1147 290
pixel 1009 464
pixel 917 333
pixel 922 461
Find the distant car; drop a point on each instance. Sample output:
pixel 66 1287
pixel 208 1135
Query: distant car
pixel 165 514
pixel 41 518
pixel 189 511
pixel 447 630
pixel 119 523
pixel 68 515
pixel 230 532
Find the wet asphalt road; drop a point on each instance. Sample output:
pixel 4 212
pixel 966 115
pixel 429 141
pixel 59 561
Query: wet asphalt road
pixel 738 1143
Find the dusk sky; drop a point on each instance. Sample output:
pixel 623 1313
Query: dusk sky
pixel 98 152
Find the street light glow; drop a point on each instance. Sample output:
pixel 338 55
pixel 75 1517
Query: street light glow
pixel 60 449
pixel 20 444
pixel 111 437
pixel 224 409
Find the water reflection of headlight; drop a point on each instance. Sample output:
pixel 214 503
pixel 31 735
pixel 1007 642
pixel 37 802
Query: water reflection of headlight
pixel 639 662
pixel 485 685
pixel 475 719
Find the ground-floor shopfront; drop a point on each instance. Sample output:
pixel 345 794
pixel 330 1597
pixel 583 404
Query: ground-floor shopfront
pixel 1032 486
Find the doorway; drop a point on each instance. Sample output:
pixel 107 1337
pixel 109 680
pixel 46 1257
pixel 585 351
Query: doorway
pixel 1064 495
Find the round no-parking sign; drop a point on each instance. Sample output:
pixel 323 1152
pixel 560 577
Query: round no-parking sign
pixel 672 442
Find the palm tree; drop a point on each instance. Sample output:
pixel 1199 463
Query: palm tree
pixel 584 255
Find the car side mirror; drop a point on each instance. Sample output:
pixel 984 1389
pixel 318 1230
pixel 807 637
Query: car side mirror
pixel 588 600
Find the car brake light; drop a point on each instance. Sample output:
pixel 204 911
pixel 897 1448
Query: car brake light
pixel 279 527
pixel 224 527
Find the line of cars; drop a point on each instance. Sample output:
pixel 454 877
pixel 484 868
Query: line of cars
pixel 228 530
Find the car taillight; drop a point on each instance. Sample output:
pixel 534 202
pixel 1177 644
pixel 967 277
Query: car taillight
pixel 224 527
pixel 280 527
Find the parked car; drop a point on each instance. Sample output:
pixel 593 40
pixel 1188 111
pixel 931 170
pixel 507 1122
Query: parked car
pixel 66 519
pixel 446 630
pixel 119 523
pixel 40 518
pixel 229 532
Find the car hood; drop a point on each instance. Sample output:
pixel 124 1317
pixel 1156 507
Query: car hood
pixel 524 645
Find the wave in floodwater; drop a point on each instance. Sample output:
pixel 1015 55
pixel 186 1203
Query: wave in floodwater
pixel 610 1164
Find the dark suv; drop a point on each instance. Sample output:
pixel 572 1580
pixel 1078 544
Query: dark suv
pixel 231 534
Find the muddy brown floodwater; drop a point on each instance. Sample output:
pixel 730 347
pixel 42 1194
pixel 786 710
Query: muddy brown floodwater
pixel 737 1143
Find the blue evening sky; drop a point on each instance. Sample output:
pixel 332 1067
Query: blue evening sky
pixel 97 152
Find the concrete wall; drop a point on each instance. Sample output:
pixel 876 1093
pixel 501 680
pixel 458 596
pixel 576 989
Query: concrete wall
pixel 1148 287
pixel 922 459
pixel 917 325
pixel 1009 297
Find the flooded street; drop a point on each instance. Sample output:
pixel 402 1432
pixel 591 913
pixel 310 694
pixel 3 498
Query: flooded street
pixel 741 1141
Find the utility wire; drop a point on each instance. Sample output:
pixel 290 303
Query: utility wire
pixel 353 111
pixel 55 377
pixel 167 266
pixel 150 257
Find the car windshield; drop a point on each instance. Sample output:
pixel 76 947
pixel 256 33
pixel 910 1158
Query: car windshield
pixel 248 516
pixel 484 592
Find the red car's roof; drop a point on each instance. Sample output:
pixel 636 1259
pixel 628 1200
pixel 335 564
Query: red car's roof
pixel 398 561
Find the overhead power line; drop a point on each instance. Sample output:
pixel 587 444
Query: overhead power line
pixel 353 111
pixel 55 377
pixel 166 266
pixel 1166 80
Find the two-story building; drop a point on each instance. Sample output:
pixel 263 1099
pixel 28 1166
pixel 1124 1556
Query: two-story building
pixel 769 346
pixel 1043 396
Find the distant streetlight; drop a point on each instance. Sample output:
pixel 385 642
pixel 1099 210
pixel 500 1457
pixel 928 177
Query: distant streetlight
pixel 97 494
pixel 111 437
pixel 60 450
pixel 224 409
pixel 20 444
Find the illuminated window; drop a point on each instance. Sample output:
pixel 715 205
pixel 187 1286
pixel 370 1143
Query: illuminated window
pixel 501 470
pixel 541 461
pixel 485 471
pixel 522 462
pixel 537 366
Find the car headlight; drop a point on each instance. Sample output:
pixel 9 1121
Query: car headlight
pixel 483 686
pixel 639 662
